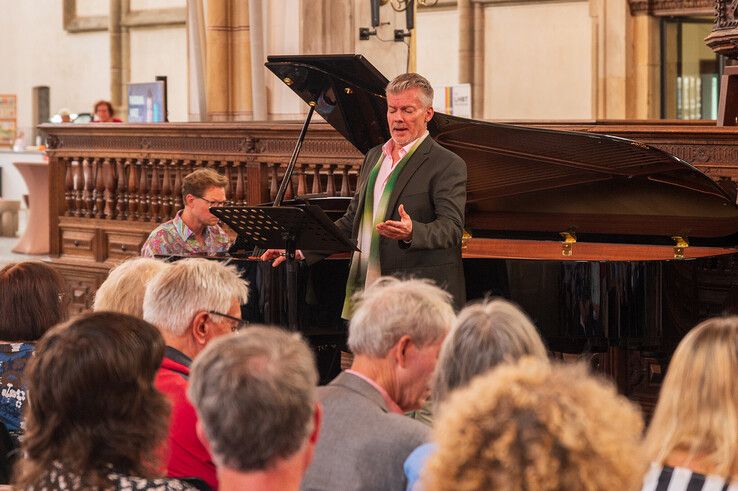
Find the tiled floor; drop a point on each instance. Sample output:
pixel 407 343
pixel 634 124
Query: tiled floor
pixel 7 243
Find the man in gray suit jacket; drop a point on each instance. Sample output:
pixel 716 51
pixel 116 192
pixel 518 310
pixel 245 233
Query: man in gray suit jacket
pixel 407 215
pixel 395 334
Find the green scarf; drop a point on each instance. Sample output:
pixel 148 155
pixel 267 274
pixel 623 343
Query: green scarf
pixel 365 267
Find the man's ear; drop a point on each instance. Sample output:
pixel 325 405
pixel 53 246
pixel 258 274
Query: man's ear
pixel 317 420
pixel 199 327
pixel 429 114
pixel 188 199
pixel 400 351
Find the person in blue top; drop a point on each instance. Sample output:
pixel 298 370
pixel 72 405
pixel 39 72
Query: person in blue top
pixel 32 300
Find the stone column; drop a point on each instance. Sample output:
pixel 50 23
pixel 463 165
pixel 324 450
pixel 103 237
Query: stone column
pixel 115 54
pixel 197 109
pixel 258 84
pixel 240 73
pixel 478 62
pixel 466 41
pixel 218 60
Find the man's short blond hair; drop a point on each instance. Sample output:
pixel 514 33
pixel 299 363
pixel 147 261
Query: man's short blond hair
pixel 198 182
pixel 123 290
pixel 409 81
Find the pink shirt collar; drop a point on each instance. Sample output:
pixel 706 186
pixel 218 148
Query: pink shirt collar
pixel 390 145
pixel 391 405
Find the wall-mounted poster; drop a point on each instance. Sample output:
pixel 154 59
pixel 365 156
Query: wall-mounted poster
pixel 7 119
pixel 146 102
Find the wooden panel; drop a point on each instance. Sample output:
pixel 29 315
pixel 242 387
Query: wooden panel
pixel 121 246
pixel 79 243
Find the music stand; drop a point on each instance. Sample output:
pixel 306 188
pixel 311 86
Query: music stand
pixel 289 228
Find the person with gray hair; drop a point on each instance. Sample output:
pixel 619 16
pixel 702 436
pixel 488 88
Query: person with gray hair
pixel 407 215
pixel 263 437
pixel 486 334
pixel 191 302
pixel 123 290
pixel 395 335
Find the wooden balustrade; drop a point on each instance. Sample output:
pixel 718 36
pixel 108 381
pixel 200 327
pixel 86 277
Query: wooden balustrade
pixel 110 185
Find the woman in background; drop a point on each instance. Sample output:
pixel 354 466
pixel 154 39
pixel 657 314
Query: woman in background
pixel 32 300
pixel 692 441
pixel 485 335
pixel 94 418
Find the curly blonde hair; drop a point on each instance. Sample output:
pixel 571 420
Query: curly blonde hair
pixel 537 426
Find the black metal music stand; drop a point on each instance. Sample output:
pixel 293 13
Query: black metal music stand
pixel 289 228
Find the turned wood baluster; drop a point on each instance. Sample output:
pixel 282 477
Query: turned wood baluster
pixel 239 196
pixel 317 187
pixel 345 184
pixel 69 168
pixel 177 189
pixel 87 195
pixel 330 187
pixel 132 190
pixel 273 182
pixel 79 188
pixel 290 192
pixel 143 193
pixel 121 199
pixel 98 193
pixel 166 192
pixel 301 180
pixel 155 207
pixel 108 174
pixel 228 186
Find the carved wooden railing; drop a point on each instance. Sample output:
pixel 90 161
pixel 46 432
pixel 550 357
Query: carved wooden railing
pixel 111 184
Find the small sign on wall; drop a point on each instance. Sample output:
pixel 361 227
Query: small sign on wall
pixel 453 99
pixel 146 102
pixel 8 115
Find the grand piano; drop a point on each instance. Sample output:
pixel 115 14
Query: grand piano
pixel 614 248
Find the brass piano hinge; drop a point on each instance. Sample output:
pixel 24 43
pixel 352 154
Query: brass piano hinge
pixel 567 245
pixel 348 90
pixel 465 240
pixel 312 103
pixel 287 81
pixel 680 244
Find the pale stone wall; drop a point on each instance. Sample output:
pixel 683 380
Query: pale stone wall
pixel 36 50
pixel 438 45
pixel 542 71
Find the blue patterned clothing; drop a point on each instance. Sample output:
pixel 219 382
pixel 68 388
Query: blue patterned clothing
pixel 13 359
pixel 175 238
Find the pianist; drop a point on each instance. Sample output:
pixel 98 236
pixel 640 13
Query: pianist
pixel 408 213
pixel 194 230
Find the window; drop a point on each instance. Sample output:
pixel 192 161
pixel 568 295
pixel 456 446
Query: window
pixel 690 71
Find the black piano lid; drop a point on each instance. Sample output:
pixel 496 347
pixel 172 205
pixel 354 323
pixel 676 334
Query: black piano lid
pixel 532 182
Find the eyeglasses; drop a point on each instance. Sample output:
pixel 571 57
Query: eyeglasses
pixel 213 204
pixel 238 323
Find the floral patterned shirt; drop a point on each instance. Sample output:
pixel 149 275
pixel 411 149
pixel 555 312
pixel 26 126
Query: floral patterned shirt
pixel 175 238
pixel 57 478
pixel 13 359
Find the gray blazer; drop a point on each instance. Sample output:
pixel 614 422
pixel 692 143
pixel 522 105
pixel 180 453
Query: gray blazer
pixel 432 186
pixel 362 446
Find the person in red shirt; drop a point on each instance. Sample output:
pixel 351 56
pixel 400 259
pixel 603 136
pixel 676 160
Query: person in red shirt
pixel 104 113
pixel 192 302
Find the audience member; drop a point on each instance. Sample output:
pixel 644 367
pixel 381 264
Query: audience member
pixel 692 440
pixel 104 113
pixel 191 302
pixel 394 334
pixel 536 426
pixel 94 418
pixel 65 115
pixel 486 334
pixel 32 299
pixel 123 290
pixel 194 230
pixel 263 437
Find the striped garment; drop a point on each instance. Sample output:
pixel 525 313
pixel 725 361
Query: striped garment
pixel 664 478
